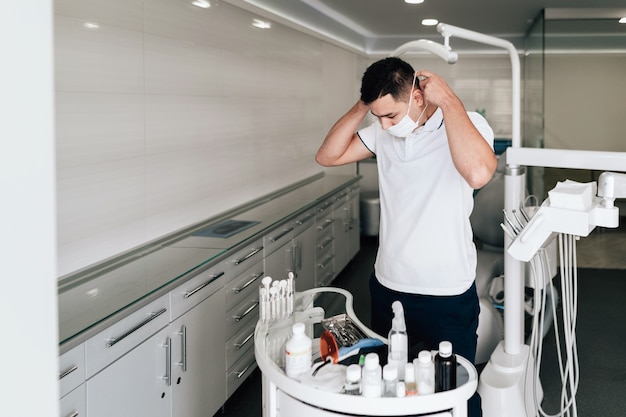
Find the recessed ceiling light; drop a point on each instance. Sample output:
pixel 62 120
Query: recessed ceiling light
pixel 261 24
pixel 414 1
pixel 203 4
pixel 91 25
pixel 429 22
pixel 622 20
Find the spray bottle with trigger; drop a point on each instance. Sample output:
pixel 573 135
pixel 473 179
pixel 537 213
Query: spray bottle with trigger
pixel 398 340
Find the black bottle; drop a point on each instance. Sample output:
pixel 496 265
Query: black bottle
pixel 445 368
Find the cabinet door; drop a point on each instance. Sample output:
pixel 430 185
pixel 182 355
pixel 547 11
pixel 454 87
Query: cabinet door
pixel 353 232
pixel 137 384
pixel 304 255
pixel 198 359
pixel 279 263
pixel 341 225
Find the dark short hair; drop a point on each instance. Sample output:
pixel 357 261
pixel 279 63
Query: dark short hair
pixel 387 76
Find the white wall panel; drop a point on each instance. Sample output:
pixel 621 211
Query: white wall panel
pixel 169 114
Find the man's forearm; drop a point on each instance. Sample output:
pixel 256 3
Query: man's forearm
pixel 336 148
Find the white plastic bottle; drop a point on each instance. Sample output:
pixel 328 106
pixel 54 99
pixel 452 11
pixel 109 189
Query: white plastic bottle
pixel 398 340
pixel 371 381
pixel 425 373
pixel 409 380
pixel 353 380
pixel 298 356
pixel 390 380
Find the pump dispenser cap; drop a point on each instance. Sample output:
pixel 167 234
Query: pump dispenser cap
pixel 445 349
pixel 397 323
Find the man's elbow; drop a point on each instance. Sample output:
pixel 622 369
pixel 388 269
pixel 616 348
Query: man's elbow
pixel 323 161
pixel 480 177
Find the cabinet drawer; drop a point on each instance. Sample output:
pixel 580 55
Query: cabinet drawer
pixel 242 259
pixel 325 269
pixel 73 404
pixel 239 372
pixel 239 344
pixel 245 286
pixel 240 316
pixel 278 237
pixel 324 245
pixel 71 369
pixel 192 292
pixel 121 337
pixel 304 221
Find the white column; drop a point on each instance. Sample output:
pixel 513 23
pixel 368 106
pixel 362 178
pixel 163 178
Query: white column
pixel 28 300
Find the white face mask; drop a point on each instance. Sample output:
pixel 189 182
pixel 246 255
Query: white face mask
pixel 404 127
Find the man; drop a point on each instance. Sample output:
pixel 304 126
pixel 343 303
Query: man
pixel 431 154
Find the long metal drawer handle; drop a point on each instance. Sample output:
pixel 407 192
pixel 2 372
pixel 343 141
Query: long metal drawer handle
pixel 243 372
pixel 304 219
pixel 326 262
pixel 213 277
pixel 68 371
pixel 248 256
pixel 153 316
pixel 74 414
pixel 248 311
pixel 247 284
pixel 244 341
pixel 327 223
pixel 325 243
pixel 275 238
pixel 183 348
pixel 168 361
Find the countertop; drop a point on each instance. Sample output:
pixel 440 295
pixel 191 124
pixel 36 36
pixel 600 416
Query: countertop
pixel 95 297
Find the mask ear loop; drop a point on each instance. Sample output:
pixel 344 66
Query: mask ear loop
pixel 411 94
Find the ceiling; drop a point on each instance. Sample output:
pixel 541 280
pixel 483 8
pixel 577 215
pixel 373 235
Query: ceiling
pixel 379 26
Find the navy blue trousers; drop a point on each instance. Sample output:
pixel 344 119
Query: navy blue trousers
pixel 430 320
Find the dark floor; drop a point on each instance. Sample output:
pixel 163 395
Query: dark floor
pixel 601 337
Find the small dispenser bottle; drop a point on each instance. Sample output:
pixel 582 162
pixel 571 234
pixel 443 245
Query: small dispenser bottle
pixel 298 356
pixel 425 373
pixel 353 380
pixel 398 340
pixel 445 368
pixel 409 379
pixel 390 380
pixel 371 381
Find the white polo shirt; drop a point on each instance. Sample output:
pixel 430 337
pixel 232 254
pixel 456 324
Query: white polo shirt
pixel 426 244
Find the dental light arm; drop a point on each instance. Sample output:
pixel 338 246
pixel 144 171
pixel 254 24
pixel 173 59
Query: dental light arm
pixel 571 208
pixel 438 49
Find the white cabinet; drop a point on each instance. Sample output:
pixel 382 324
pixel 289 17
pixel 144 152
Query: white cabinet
pixel 291 248
pixel 178 371
pixel 72 382
pixel 324 245
pixel 197 364
pixel 137 384
pixel 73 403
pixel 346 215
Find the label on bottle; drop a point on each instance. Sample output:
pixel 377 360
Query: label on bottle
pixel 297 362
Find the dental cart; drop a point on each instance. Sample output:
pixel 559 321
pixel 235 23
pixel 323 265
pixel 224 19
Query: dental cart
pixel 286 397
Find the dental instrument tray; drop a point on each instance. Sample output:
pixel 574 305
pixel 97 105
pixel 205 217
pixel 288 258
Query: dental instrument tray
pixel 345 331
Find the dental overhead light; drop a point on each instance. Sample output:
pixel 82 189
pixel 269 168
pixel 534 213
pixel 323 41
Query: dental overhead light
pixel 442 51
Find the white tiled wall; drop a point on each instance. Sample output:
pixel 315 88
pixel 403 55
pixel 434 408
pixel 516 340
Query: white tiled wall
pixel 168 114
